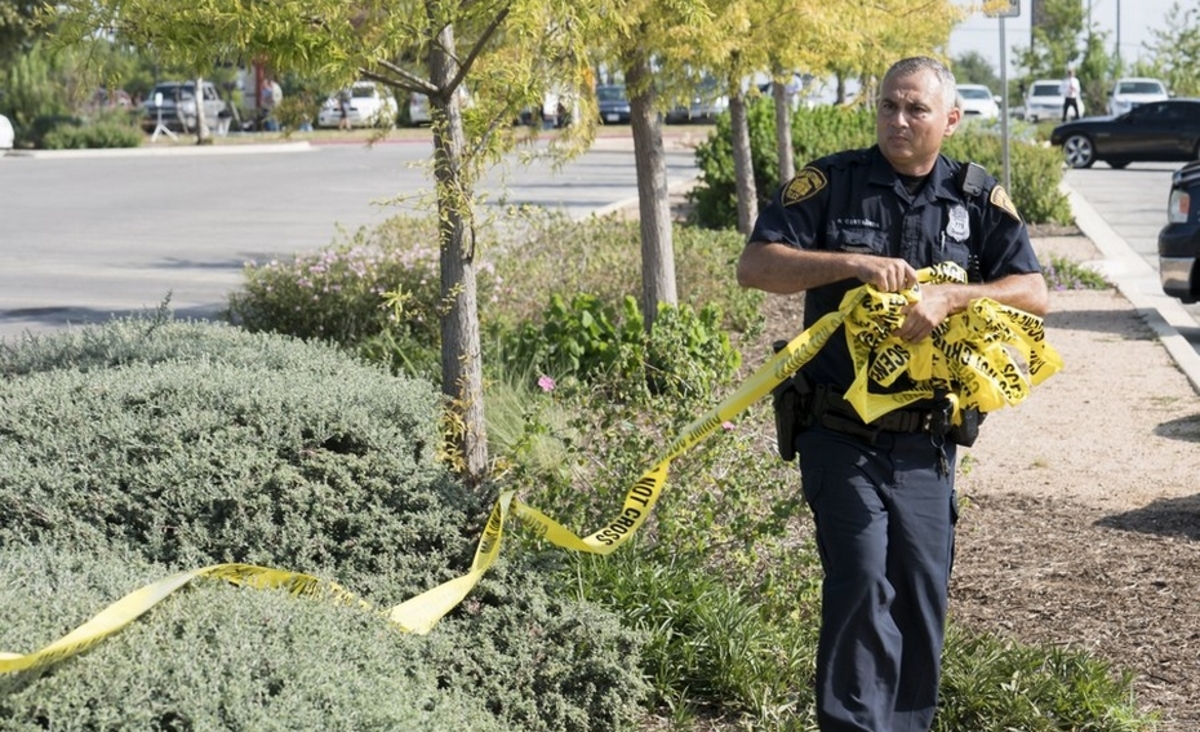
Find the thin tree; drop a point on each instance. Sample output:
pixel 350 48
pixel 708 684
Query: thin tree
pixel 1175 50
pixel 651 40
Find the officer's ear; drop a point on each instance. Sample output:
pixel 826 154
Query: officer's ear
pixel 952 120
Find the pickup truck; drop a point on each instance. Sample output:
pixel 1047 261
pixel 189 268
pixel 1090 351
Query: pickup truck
pixel 178 106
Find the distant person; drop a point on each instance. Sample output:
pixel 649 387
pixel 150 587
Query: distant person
pixel 271 96
pixel 344 109
pixel 1070 92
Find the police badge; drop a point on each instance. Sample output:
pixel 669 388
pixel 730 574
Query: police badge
pixel 959 225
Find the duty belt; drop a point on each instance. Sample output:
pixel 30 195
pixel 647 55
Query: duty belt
pixel 835 413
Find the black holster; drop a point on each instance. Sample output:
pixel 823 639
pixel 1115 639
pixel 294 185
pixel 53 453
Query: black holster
pixel 966 432
pixel 791 401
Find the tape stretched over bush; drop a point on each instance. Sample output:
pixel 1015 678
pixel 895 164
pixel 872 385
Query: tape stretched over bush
pixel 988 357
pixel 129 608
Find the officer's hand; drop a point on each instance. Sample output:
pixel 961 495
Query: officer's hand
pixel 921 317
pixel 886 274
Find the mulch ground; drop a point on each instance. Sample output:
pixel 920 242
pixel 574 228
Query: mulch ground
pixel 1124 587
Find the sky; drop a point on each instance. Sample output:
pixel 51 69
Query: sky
pixel 1138 19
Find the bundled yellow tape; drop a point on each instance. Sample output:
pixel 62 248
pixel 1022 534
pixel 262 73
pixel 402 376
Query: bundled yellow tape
pixel 989 356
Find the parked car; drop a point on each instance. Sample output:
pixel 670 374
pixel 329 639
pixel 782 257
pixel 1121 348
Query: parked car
pixel 7 135
pixel 1166 131
pixel 369 105
pixel 802 90
pixel 418 109
pixel 978 101
pixel 1179 240
pixel 1129 93
pixel 1044 100
pixel 707 102
pixel 177 111
pixel 613 103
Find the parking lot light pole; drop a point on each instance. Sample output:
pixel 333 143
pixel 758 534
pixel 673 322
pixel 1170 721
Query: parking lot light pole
pixel 1012 11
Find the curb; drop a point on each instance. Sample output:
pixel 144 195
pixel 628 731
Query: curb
pixel 676 188
pixel 171 150
pixel 1131 273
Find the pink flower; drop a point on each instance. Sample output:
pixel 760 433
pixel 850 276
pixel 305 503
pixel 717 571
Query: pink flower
pixel 727 426
pixel 546 383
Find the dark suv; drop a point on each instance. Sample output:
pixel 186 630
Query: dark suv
pixel 1179 240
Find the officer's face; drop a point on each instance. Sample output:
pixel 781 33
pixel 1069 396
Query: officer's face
pixel 912 120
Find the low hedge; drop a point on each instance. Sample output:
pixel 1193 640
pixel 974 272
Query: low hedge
pixel 213 657
pixel 142 447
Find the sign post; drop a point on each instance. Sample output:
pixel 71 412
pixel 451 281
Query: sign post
pixel 160 128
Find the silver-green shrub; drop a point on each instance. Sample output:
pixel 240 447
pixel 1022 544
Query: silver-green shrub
pixel 132 450
pixel 214 657
pixel 274 452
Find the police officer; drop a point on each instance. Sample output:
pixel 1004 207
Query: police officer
pixel 882 494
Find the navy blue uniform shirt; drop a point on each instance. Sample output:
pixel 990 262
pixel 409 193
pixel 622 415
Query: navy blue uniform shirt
pixel 854 202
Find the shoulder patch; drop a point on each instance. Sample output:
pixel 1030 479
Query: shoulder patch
pixel 1000 200
pixel 807 183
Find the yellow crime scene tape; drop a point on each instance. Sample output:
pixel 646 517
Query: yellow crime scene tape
pixel 989 356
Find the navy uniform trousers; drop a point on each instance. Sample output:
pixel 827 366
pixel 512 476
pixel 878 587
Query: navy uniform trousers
pixel 885 516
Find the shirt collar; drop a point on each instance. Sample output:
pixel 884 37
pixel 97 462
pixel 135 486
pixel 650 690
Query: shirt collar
pixel 941 181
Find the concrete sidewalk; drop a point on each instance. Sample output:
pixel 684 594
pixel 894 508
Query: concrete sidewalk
pixel 1137 281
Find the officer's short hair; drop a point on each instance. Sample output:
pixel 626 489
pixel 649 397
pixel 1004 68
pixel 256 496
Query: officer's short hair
pixel 913 64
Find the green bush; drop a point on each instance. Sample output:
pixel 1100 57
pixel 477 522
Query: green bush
pixel 826 129
pixel 685 353
pixel 379 291
pixel 1066 274
pixel 714 197
pixel 175 445
pixel 541 657
pixel 688 352
pixel 1036 170
pixel 711 643
pixel 105 133
pixel 34 91
pixel 546 254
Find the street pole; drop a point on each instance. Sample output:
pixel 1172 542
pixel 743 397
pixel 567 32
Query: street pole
pixel 1119 69
pixel 1004 107
pixel 1012 11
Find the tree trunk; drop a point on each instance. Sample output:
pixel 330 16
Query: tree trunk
pixel 202 133
pixel 743 166
pixel 783 131
pixel 654 204
pixel 462 366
